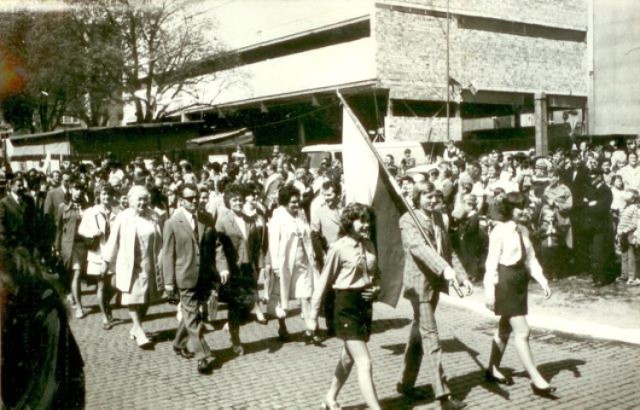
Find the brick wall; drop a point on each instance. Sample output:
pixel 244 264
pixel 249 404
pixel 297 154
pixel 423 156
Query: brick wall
pixel 422 129
pixel 560 13
pixel 411 58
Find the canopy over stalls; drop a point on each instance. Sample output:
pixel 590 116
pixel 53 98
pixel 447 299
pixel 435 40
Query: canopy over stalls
pixel 242 136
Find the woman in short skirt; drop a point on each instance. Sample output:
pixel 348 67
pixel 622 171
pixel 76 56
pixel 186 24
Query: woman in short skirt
pixel 351 270
pixel 510 262
pixel 95 227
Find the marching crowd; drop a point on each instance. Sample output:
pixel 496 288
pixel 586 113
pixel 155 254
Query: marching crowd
pixel 259 235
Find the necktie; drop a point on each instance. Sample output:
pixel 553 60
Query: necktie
pixel 194 220
pixel 523 251
pixel 107 229
pixel 365 269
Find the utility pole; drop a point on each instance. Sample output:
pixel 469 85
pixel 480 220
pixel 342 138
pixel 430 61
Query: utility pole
pixel 447 79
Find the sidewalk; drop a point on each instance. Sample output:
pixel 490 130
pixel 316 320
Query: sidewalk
pixel 577 307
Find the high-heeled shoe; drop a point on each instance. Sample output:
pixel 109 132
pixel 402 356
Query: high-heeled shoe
pixel 330 405
pixel 140 338
pixel 542 392
pixel 491 378
pixel 262 320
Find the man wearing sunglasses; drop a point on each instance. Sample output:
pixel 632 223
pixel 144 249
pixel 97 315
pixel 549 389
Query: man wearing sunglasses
pixel 188 255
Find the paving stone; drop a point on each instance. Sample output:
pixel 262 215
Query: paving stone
pixel 589 373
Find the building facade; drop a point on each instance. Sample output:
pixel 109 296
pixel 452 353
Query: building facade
pixel 399 62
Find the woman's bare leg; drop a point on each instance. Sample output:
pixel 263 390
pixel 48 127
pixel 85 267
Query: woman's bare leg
pixel 360 354
pixel 521 339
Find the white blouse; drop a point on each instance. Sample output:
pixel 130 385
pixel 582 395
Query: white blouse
pixel 504 249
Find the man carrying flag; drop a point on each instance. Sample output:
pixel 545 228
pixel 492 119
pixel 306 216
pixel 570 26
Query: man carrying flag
pixel 427 272
pixel 424 259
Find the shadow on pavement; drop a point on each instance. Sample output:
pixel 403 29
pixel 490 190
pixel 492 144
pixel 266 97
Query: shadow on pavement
pixel 382 325
pixel 552 369
pixel 395 349
pixel 462 385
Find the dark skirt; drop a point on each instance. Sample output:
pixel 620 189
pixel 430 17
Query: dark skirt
pixel 352 315
pixel 511 290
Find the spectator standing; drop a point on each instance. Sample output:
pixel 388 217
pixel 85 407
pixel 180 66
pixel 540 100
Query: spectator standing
pixel 598 227
pixel 626 238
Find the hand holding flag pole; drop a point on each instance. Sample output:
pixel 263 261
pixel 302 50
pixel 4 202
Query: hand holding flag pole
pixel 407 207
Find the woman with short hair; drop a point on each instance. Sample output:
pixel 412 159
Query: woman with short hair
pixel 351 270
pixel 134 253
pixel 96 228
pixel 242 241
pixel 510 261
pixel 292 256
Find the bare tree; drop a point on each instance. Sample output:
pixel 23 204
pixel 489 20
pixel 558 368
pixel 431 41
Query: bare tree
pixel 165 52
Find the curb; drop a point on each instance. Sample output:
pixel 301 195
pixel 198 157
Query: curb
pixel 555 323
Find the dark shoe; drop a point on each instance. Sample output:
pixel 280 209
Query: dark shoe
pixel 452 404
pixel 546 392
pixel 283 334
pixel 311 337
pixel 205 366
pixel 412 392
pixel 184 352
pixel 488 376
pixel 238 350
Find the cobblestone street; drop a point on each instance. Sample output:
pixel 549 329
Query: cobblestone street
pixel 588 373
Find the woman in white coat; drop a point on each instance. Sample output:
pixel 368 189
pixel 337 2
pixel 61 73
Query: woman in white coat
pixel 96 226
pixel 134 252
pixel 292 256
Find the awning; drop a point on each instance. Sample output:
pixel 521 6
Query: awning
pixel 36 150
pixel 336 66
pixel 242 136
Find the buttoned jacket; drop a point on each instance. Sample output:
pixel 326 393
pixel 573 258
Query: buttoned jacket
pixel 424 265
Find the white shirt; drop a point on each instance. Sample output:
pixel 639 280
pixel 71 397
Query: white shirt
pixel 504 249
pixel 191 218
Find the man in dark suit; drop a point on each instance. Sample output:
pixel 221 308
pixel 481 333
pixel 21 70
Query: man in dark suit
pixel 58 194
pixel 598 231
pixel 427 272
pixel 470 238
pixel 576 178
pixel 17 216
pixel 189 244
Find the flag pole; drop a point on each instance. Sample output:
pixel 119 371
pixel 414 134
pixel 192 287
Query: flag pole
pixel 363 133
pixel 386 171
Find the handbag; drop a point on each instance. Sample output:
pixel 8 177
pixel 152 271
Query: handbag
pixel 93 244
pixel 212 303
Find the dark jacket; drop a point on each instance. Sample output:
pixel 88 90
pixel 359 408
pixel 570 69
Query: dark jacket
pixel 17 222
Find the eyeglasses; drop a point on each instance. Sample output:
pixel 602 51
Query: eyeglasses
pixel 190 198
